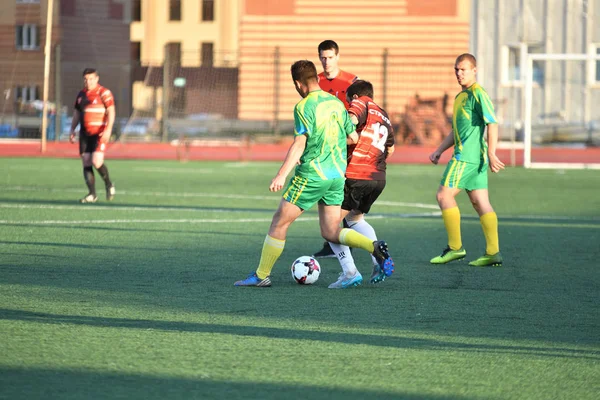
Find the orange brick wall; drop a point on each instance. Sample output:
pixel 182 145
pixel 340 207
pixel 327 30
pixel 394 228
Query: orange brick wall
pixel 422 40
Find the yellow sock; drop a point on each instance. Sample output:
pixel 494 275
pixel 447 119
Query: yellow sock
pixel 351 238
pixel 272 249
pixel 451 218
pixel 489 223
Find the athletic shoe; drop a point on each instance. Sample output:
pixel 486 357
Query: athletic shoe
pixel 380 251
pixel 254 280
pixel 487 260
pixel 90 198
pixel 449 255
pixel 110 192
pixel 325 252
pixel 345 281
pixel 377 275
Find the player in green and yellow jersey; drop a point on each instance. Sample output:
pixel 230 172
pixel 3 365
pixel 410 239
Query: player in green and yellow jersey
pixel 473 111
pixel 322 131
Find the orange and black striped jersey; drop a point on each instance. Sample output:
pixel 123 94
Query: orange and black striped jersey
pixel 338 85
pixel 368 158
pixel 92 106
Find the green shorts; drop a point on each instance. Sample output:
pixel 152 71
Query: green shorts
pixel 464 175
pixel 305 193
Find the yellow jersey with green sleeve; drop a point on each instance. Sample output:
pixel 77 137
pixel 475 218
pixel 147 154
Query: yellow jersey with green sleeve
pixel 473 110
pixel 325 122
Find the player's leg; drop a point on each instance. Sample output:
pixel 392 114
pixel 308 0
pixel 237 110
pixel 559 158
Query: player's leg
pixel 364 194
pixel 98 161
pixel 86 147
pixel 331 231
pixel 445 196
pixel 273 245
pixel 489 224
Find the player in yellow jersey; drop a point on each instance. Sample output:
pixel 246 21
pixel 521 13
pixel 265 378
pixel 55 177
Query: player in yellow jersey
pixel 473 111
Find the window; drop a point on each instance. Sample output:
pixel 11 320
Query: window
pixel 514 64
pixel 136 51
pixel 208 10
pixel 67 8
pixel 115 10
pixel 174 10
pixel 174 52
pixel 136 10
pixel 26 37
pixel 206 53
pixel 598 65
pixel 25 94
pixel 28 1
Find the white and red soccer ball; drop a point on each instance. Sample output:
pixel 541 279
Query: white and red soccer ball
pixel 306 270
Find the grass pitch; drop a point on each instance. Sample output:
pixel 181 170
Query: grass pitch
pixel 134 299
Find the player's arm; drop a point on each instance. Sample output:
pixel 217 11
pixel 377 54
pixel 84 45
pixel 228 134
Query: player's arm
pixel 492 137
pixel 445 145
pixel 74 123
pixel 110 112
pixel 352 138
pixel 291 160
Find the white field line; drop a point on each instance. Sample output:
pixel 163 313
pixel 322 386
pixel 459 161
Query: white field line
pixel 188 220
pixel 94 207
pixel 274 197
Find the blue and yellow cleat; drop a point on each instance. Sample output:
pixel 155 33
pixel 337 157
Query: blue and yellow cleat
pixel 254 280
pixel 386 264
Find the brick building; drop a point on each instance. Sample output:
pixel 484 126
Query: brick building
pixel 85 33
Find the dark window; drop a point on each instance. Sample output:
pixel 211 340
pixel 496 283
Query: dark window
pixel 598 65
pixel 115 10
pixel 208 10
pixel 207 54
pixel 174 52
pixel 67 8
pixel 27 37
pixel 136 51
pixel 136 10
pixel 174 10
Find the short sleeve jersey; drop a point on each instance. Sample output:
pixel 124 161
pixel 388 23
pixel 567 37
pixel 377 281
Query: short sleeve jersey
pixel 473 110
pixel 338 85
pixel 92 106
pixel 368 158
pixel 325 122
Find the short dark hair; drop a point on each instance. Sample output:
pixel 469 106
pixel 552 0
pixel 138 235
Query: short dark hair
pixel 89 71
pixel 328 45
pixel 304 71
pixel 467 56
pixel 360 88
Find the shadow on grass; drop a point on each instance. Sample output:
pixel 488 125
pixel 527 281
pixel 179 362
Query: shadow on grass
pixel 280 333
pixel 37 383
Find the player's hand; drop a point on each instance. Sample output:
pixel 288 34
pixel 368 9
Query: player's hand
pixel 72 137
pixel 495 164
pixel 277 183
pixel 435 157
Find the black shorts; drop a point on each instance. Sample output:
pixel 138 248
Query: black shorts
pixel 89 143
pixel 360 195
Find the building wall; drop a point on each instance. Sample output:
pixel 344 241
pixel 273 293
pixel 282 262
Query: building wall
pixel 20 67
pixel 95 34
pixel 562 91
pixel 422 40
pixel 155 30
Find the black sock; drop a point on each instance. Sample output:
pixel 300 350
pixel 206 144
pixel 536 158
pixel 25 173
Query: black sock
pixel 104 174
pixel 90 180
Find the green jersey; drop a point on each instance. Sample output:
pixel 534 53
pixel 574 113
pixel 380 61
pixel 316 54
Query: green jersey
pixel 324 120
pixel 473 110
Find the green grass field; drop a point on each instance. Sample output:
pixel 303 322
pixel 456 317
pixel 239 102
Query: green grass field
pixel 134 299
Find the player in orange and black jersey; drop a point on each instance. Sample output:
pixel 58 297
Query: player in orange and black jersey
pixel 333 80
pixel 365 173
pixel 95 113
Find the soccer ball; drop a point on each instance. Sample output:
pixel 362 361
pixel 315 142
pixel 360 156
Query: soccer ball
pixel 306 270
